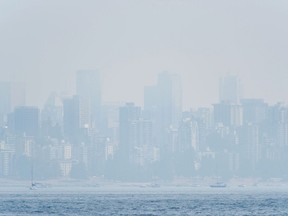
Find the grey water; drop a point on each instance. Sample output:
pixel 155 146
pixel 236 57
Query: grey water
pixel 158 201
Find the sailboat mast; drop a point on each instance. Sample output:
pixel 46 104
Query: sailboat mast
pixel 32 173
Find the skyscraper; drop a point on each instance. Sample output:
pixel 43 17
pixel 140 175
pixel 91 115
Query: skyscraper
pixel 88 88
pixel 228 111
pixel 228 114
pixel 163 103
pixel 254 111
pixel 26 121
pixel 169 99
pixel 71 118
pixel 128 115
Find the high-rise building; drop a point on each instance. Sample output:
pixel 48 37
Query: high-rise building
pixel 128 115
pixel 169 99
pixel 88 88
pixel 230 89
pixel 228 111
pixel 163 104
pixel 250 147
pixel 53 110
pixel 26 121
pixel 52 117
pixel 277 124
pixel 6 160
pixel 203 117
pixel 71 118
pixel 254 110
pixel 228 114
pixel 188 136
pixel 11 96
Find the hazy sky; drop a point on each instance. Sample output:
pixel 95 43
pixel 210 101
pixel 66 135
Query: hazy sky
pixel 130 41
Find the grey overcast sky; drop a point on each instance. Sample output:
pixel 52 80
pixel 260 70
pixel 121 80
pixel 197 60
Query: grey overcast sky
pixel 130 41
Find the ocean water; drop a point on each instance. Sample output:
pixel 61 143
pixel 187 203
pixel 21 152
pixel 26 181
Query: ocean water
pixel 158 201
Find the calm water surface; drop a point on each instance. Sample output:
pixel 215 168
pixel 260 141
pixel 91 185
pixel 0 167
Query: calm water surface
pixel 158 201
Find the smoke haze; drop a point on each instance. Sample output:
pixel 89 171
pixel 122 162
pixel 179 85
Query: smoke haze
pixel 44 43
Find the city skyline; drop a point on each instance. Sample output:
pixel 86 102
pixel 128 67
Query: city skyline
pixel 81 137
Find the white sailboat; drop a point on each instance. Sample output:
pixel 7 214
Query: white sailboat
pixel 218 185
